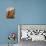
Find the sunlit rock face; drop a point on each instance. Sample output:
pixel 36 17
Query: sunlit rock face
pixel 10 12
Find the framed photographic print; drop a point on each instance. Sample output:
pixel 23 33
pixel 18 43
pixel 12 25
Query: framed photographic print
pixel 10 12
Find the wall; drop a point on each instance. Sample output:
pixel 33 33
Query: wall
pixel 27 12
pixel 31 11
pixel 6 25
